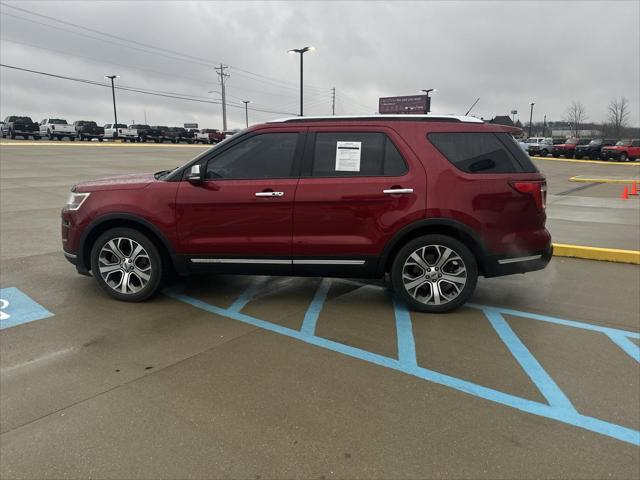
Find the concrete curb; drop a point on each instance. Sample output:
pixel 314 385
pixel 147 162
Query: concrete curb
pixel 597 162
pixel 596 253
pixel 581 178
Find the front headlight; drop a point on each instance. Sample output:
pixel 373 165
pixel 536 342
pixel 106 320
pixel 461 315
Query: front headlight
pixel 76 200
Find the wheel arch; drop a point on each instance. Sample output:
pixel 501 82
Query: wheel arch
pixel 117 220
pixel 442 226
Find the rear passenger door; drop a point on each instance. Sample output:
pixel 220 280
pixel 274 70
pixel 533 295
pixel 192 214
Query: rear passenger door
pixel 357 188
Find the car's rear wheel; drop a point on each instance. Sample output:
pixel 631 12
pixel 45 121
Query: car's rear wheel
pixel 624 157
pixel 126 264
pixel 434 273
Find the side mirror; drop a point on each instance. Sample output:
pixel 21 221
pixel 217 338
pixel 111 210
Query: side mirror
pixel 194 175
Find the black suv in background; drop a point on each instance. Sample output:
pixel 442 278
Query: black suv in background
pixel 15 126
pixel 178 134
pixel 87 130
pixel 145 132
pixel 593 148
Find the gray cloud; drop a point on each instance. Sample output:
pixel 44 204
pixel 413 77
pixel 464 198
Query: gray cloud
pixel 506 53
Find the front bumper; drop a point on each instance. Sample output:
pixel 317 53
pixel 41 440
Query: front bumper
pixel 607 154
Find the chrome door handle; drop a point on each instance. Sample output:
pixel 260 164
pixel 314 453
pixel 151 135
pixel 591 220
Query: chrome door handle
pixel 398 191
pixel 269 194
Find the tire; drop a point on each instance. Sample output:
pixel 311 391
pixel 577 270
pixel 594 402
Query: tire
pixel 71 139
pixel 80 137
pixel 544 153
pixel 36 137
pixel 579 157
pixel 110 251
pixel 142 139
pixel 100 139
pixel 50 135
pixel 624 157
pixel 569 155
pixel 555 155
pixel 430 249
pixel 12 135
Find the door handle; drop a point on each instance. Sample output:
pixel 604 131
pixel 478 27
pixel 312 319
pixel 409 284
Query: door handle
pixel 398 191
pixel 269 194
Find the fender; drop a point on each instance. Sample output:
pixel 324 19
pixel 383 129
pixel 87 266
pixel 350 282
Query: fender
pixel 81 261
pixel 425 223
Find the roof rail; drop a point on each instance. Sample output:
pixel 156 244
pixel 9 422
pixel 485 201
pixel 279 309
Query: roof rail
pixel 400 117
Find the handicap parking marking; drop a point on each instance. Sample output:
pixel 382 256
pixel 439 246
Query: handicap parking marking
pixel 17 308
pixel 558 406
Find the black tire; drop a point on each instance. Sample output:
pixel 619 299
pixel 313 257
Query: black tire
pixel 544 153
pixel 142 139
pixel 154 262
pixel 569 155
pixel 12 135
pixel 579 157
pixel 458 248
pixel 80 137
pixel 36 137
pixel 555 155
pixel 624 157
pixel 100 139
pixel 50 135
pixel 71 139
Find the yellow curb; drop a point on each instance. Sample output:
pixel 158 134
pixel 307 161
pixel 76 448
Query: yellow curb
pixel 101 144
pixel 580 178
pixel 596 253
pixel 598 162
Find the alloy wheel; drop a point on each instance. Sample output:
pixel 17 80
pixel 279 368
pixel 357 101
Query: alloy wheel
pixel 434 275
pixel 124 265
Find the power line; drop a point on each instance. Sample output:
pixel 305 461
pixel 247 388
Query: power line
pixel 139 90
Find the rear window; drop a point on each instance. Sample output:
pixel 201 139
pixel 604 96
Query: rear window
pixel 483 152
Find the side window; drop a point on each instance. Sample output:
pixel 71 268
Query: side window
pixel 267 155
pixel 481 152
pixel 356 154
pixel 635 143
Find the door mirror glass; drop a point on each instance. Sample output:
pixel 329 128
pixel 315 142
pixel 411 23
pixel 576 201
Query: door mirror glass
pixel 195 175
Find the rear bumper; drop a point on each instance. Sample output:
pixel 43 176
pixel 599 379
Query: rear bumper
pixel 496 266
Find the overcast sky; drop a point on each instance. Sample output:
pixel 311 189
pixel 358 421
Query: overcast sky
pixel 508 53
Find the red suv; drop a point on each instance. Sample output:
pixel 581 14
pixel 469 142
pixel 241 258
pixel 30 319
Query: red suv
pixel 433 200
pixel 622 151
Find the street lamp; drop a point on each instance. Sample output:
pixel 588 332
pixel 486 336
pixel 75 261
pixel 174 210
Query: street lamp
pixel 113 94
pixel 246 111
pixel 531 118
pixel 428 101
pixel 301 51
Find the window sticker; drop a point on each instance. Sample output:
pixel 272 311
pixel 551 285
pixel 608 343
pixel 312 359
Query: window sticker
pixel 348 156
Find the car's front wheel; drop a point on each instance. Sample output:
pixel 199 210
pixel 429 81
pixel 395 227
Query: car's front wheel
pixel 624 157
pixel 126 264
pixel 434 273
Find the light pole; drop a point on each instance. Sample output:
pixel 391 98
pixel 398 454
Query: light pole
pixel 113 94
pixel 428 101
pixel 531 118
pixel 301 51
pixel 246 111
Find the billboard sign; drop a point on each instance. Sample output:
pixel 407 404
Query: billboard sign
pixel 190 125
pixel 413 104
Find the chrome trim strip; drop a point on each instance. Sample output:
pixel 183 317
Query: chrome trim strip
pixel 273 261
pixel 70 255
pixel 329 262
pixel 519 259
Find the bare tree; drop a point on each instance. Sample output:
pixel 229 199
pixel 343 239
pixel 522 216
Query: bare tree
pixel 618 115
pixel 575 115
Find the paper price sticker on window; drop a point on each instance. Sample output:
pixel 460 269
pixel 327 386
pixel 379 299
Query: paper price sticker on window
pixel 348 156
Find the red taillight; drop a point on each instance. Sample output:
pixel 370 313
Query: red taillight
pixel 538 190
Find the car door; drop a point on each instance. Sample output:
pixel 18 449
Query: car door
pixel 241 214
pixel 357 188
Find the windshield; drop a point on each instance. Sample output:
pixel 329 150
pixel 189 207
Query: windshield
pixel 585 141
pixel 547 141
pixel 22 120
pixel 624 143
pixel 56 121
pixel 573 141
pixel 597 141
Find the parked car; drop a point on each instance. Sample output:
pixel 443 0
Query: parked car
pixel 120 130
pixel 209 135
pixel 622 151
pixel 324 196
pixel 541 148
pixel 568 148
pixel 87 130
pixel 17 126
pixel 57 128
pixel 593 148
pixel 145 132
pixel 178 134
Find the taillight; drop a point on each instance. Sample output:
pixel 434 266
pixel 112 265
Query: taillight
pixel 538 190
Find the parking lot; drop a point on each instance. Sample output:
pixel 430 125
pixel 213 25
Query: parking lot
pixel 262 377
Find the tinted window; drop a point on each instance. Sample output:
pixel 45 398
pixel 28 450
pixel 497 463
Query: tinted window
pixel 483 152
pixel 356 154
pixel 269 155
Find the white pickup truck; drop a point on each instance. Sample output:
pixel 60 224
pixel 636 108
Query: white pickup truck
pixel 57 128
pixel 111 130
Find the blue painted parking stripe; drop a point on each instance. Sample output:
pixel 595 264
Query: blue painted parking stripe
pixel 528 362
pixel 564 415
pixel 404 332
pixel 313 312
pixel 247 295
pixel 626 345
pixel 17 308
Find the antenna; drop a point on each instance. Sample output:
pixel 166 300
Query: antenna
pixel 471 107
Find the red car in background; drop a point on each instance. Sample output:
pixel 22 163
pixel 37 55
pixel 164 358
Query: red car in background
pixel 568 149
pixel 622 151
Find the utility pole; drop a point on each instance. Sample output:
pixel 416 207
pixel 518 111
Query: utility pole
pixel 246 111
pixel 333 101
pixel 223 78
pixel 113 94
pixel 531 118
